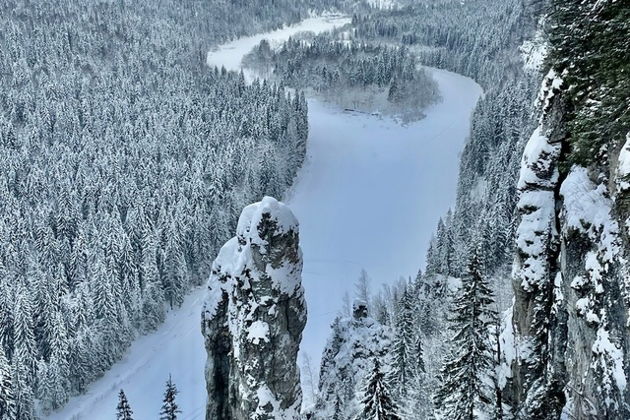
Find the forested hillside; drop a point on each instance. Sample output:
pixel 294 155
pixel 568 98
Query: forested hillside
pixel 559 211
pixel 124 163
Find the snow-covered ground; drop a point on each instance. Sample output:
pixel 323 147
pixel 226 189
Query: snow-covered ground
pixel 369 196
pixel 176 348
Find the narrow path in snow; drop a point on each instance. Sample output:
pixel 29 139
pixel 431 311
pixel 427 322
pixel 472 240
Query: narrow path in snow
pixel 369 196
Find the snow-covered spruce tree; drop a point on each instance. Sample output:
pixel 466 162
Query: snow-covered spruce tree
pixel 346 361
pixel 407 370
pixel 169 410
pixel 253 318
pixel 7 399
pixel 466 388
pixel 377 402
pixel 24 354
pixel 123 409
pixel 407 358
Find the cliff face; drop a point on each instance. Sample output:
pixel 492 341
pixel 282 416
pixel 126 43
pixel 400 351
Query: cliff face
pixel 253 318
pixel 570 312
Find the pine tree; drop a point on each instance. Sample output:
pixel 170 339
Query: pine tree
pixel 362 288
pixel 377 403
pixel 337 409
pixel 468 370
pixel 407 347
pixel 7 399
pixel 123 410
pixel 169 407
pixel 23 376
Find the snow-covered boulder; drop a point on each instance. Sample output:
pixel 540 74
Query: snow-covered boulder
pixel 253 318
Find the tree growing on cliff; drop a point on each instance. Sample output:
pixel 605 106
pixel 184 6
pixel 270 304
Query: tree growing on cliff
pixel 466 390
pixel 170 410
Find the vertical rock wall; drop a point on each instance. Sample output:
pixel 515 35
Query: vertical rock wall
pixel 253 318
pixel 570 315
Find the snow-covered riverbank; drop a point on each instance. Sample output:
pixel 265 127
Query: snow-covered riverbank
pixel 369 196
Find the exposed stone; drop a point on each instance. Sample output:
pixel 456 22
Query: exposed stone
pixel 570 312
pixel 253 318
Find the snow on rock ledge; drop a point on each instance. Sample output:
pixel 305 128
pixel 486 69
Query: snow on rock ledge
pixel 623 168
pixel 253 318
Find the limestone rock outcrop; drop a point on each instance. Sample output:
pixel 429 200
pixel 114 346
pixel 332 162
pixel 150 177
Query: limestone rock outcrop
pixel 253 318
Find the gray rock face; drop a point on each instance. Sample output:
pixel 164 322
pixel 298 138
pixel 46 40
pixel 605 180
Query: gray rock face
pixel 253 318
pixel 570 314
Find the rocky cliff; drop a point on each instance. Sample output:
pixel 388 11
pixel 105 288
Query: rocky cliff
pixel 253 318
pixel 571 352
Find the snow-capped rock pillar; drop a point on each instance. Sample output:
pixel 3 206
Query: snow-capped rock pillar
pixel 253 318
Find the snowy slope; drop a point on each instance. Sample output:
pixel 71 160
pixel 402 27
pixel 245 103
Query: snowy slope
pixel 369 196
pixel 176 348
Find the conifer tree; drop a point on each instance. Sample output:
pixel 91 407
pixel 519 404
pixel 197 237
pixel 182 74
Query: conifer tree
pixel 7 399
pixel 407 347
pixel 169 407
pixel 467 373
pixel 123 410
pixel 377 404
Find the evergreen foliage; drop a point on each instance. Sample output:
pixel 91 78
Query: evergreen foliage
pixel 466 376
pixel 124 161
pixel 377 403
pixel 408 363
pixel 7 399
pixel 123 410
pixel 362 76
pixel 591 50
pixel 169 410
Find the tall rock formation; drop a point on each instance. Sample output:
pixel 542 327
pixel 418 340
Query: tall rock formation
pixel 253 318
pixel 571 353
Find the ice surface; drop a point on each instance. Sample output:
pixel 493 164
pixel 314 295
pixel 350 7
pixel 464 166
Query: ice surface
pixel 369 196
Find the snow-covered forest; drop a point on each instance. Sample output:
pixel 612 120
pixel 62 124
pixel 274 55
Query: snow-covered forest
pixel 124 165
pixel 370 78
pixel 126 160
